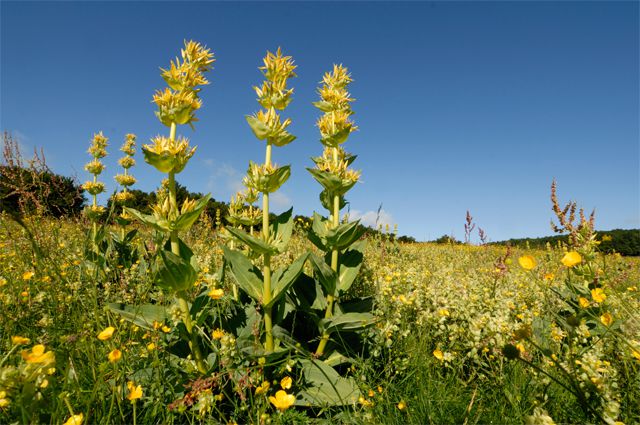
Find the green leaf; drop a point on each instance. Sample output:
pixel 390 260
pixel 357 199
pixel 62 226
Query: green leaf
pixel 324 106
pixel 186 220
pixel 258 245
pixel 185 253
pixel 324 274
pixel 282 139
pixel 142 315
pixel 344 235
pixel 284 277
pixel 164 162
pixel 307 295
pixel 347 322
pixel 336 139
pixel 175 273
pixel 260 130
pixel 277 179
pixel 326 386
pixel 328 180
pixel 281 229
pixel 326 199
pixel 350 263
pixel 245 273
pixel 149 220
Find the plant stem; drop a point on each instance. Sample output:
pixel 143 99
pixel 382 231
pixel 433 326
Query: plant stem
pixel 335 218
pixel 266 290
pixel 175 249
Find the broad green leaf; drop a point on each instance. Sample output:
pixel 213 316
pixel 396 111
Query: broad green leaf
pixel 186 220
pixel 245 273
pixel 255 243
pixel 344 235
pixel 175 273
pixel 326 386
pixel 336 139
pixel 142 315
pixel 307 295
pixel 149 220
pixel 350 263
pixel 324 274
pixel 282 139
pixel 277 179
pixel 284 277
pixel 185 253
pixel 281 229
pixel 260 130
pixel 348 322
pixel 326 199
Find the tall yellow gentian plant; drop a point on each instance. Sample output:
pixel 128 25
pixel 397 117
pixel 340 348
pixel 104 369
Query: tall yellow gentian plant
pixel 266 178
pixel 177 105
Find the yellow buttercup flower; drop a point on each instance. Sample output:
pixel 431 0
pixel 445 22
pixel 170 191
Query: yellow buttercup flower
pixel 263 388
pixel 402 405
pixel 286 382
pixel 38 355
pixel 216 293
pixel 106 334
pixel 27 275
pixel 135 392
pixel 549 276
pixel 598 295
pixel 571 259
pixel 19 340
pixel 115 355
pixel 584 303
pixel 438 354
pixel 606 319
pixel 75 419
pixel 527 262
pixel 282 401
pixel 217 334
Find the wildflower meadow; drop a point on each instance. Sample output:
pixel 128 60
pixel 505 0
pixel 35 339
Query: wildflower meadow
pixel 174 314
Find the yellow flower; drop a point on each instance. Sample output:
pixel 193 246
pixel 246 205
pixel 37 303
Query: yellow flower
pixel 571 259
pixel 286 382
pixel 216 294
pixel 282 400
pixel 135 392
pixel 263 388
pixel 527 262
pixel 217 334
pixel 115 355
pixel 636 354
pixel 438 354
pixel 19 340
pixel 606 319
pixel 75 419
pixel 402 405
pixel 106 334
pixel 584 303
pixel 444 312
pixel 38 355
pixel 151 346
pixel 598 295
pixel 27 275
pixel 4 401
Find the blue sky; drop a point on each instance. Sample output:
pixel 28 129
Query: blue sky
pixel 461 106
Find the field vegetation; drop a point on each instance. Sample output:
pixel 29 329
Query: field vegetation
pixel 160 313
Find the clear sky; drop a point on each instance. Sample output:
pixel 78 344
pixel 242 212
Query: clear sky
pixel 461 106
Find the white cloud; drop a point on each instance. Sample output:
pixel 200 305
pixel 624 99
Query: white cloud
pixel 373 218
pixel 223 177
pixel 279 201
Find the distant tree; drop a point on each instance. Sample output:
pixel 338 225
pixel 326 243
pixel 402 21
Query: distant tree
pixel 31 187
pixel 446 239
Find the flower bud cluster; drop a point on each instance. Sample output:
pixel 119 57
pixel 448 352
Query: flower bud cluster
pixel 178 103
pixel 125 180
pixel 273 95
pixel 168 155
pixel 97 150
pixel 335 125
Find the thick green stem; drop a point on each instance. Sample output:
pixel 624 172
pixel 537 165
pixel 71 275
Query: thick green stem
pixel 175 249
pixel 266 290
pixel 335 216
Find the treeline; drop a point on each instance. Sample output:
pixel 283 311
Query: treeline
pixel 623 241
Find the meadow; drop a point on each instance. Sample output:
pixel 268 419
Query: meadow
pixel 120 316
